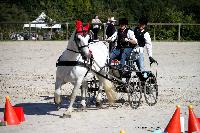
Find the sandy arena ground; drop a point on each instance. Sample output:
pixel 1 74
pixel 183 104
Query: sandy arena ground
pixel 27 75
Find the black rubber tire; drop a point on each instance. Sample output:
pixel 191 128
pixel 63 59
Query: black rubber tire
pixel 135 93
pixel 151 91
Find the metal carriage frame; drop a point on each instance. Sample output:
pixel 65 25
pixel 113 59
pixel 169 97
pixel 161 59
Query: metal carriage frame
pixel 130 81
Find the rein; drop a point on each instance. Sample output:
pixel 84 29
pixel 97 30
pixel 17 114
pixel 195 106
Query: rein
pixel 78 48
pixel 87 64
pixel 72 50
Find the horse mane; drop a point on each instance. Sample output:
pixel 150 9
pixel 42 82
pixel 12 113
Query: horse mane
pixel 71 41
pixel 72 36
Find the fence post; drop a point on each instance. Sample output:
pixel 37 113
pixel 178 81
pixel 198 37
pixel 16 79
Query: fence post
pixel 29 30
pixel 1 36
pixel 154 33
pixel 179 31
pixel 67 28
pixel 104 31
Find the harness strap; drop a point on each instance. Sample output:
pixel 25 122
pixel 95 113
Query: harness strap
pixel 90 65
pixel 82 47
pixel 70 63
pixel 77 63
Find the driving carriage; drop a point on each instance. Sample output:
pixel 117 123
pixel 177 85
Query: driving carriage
pixel 128 80
pixel 85 65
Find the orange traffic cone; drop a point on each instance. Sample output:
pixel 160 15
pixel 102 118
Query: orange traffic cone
pixel 9 114
pixel 20 113
pixel 174 125
pixel 193 123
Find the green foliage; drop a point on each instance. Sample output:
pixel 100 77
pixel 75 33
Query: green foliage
pixel 190 32
pixel 157 11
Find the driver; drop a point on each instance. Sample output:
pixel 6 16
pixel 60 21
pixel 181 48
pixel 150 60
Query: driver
pixel 126 41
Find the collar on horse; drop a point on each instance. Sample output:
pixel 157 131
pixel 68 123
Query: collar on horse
pixel 85 64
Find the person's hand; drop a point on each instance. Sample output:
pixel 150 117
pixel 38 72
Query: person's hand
pixel 108 39
pixel 152 60
pixel 137 50
pixel 126 39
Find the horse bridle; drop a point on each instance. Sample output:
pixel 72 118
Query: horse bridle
pixel 76 42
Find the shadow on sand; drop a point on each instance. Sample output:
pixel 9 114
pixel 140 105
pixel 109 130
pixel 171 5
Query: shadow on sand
pixel 39 108
pixel 46 108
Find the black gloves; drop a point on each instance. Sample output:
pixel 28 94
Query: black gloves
pixel 151 59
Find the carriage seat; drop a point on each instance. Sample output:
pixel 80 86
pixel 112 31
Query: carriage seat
pixel 133 57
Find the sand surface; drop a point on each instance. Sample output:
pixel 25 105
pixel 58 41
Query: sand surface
pixel 27 75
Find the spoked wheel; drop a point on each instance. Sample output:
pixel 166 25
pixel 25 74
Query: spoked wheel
pixel 135 92
pixel 93 87
pixel 151 91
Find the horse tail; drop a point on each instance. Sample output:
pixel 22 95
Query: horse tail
pixel 110 91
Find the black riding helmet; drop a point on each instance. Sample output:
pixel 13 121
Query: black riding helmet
pixel 143 20
pixel 123 21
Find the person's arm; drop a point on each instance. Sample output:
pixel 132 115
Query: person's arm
pixel 148 44
pixel 93 21
pixel 131 38
pixel 113 37
pixel 99 21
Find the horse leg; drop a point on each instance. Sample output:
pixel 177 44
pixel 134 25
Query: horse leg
pixel 83 94
pixel 99 95
pixel 77 85
pixel 57 93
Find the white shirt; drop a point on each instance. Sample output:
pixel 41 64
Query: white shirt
pixel 148 44
pixel 130 35
pixel 96 21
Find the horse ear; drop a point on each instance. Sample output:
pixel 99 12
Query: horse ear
pixel 86 28
pixel 79 36
pixel 87 37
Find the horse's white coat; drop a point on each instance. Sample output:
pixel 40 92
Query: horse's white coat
pixel 75 74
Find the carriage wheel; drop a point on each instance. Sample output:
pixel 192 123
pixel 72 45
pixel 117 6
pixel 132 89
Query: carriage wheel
pixel 93 87
pixel 135 93
pixel 151 91
pixel 90 98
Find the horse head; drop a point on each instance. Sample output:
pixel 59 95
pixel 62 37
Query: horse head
pixel 82 38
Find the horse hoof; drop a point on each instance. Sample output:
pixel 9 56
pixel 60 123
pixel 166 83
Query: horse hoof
pixel 66 116
pixel 98 104
pixel 58 107
pixel 83 109
pixel 57 99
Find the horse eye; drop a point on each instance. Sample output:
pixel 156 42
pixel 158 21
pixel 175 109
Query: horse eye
pixel 78 39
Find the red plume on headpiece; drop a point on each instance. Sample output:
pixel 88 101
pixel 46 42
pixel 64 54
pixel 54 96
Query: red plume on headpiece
pixel 79 26
pixel 86 28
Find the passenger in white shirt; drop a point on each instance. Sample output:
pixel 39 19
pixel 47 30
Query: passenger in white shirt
pixel 144 40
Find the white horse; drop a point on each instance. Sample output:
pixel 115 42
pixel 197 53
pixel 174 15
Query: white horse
pixel 79 51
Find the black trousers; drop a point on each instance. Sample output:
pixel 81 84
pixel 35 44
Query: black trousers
pixel 95 31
